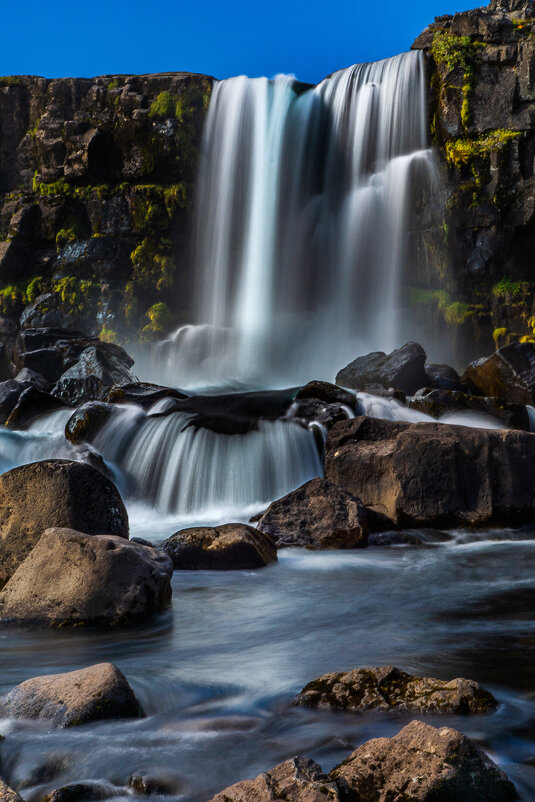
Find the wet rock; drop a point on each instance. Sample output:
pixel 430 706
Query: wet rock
pixel 46 311
pixel 403 369
pixel 440 402
pixel 318 515
pixel 10 392
pixel 432 474
pixel 37 380
pixel 86 421
pixel 220 548
pixel 389 688
pixel 324 391
pixel 442 377
pixel 91 377
pixel 76 697
pixel 422 764
pixel 46 361
pixel 31 404
pixel 162 782
pixel 70 578
pixel 143 394
pixel 60 493
pixel 82 792
pixel 418 538
pixel 385 392
pixel 7 794
pixel 509 374
pixel 298 780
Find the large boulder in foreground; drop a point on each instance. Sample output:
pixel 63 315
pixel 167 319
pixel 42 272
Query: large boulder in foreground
pixel 318 515
pixel 76 697
pixel 422 764
pixel 7 794
pixel 509 374
pixel 51 493
pixel 403 369
pixel 295 780
pixel 71 578
pixel 432 474
pixel 220 548
pixel 389 688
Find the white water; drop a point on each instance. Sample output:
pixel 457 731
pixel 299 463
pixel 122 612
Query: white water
pixel 305 199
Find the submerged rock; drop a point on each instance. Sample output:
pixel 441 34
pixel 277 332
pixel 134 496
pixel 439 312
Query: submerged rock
pixel 295 780
pixel 76 697
pixel 509 374
pixel 318 515
pixel 154 781
pixel 58 493
pixel 403 369
pixel 422 764
pixel 220 548
pixel 143 394
pixel 440 402
pixel 434 475
pixel 389 688
pixel 85 422
pixel 71 578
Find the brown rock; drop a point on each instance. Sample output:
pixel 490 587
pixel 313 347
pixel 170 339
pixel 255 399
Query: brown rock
pixel 295 780
pixel 441 402
pixel 318 515
pixel 76 697
pixel 7 794
pixel 59 493
pixel 220 548
pixel 436 475
pixel 73 578
pixel 388 688
pixel 509 374
pixel 422 764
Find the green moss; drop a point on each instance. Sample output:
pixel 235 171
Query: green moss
pixel 167 105
pixel 160 319
pixel 497 335
pixel 108 335
pixel 506 286
pixel 455 51
pixel 465 150
pixel 456 313
pixel 76 295
pixel 453 312
pixel 112 85
pixel 10 80
pixel 36 287
pixel 12 299
pixel 152 265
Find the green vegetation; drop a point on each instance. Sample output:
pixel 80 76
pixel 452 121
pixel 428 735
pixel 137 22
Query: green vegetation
pixel 10 80
pixel 498 334
pixel 466 150
pixel 108 335
pixel 167 105
pixel 35 288
pixel 152 264
pixel 112 85
pixel 12 300
pixel 458 52
pixel 160 319
pixel 453 312
pixel 507 286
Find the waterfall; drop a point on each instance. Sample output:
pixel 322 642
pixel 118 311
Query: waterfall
pixel 304 203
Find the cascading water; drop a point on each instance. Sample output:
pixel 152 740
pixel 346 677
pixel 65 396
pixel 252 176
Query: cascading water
pixel 305 200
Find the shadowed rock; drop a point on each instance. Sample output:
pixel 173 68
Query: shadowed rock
pixel 76 697
pixel 388 688
pixel 60 493
pixel 509 374
pixel 295 780
pixel 403 369
pixel 422 764
pixel 441 402
pixel 72 578
pixel 220 548
pixel 318 515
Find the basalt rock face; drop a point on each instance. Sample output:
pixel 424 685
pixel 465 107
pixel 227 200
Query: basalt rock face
pixel 96 180
pixel 477 288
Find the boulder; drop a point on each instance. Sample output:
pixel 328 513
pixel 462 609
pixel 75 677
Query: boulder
pixel 318 515
pixel 82 792
pixel 70 578
pixel 435 475
pixel 143 394
pixel 46 361
pixel 220 548
pixel 60 493
pixel 422 764
pixel 10 392
pixel 98 369
pixel 329 393
pixel 441 402
pixel 442 377
pixel 156 781
pixel 35 379
pixel 509 374
pixel 403 369
pixel 7 794
pixel 76 697
pixel 31 404
pixel 86 421
pixel 389 688
pixel 295 780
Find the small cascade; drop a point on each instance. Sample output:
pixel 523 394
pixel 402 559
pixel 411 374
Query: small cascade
pixel 305 200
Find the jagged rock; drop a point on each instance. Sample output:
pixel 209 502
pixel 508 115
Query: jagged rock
pixel 60 493
pixel 324 391
pixel 10 392
pixel 222 548
pixel 440 402
pixel 46 361
pixel 442 377
pixel 76 697
pixel 389 688
pixel 7 794
pixel 295 780
pixel 70 578
pixel 92 376
pixel 432 474
pixel 37 380
pixel 509 374
pixel 46 311
pixel 403 369
pixel 318 515
pixel 422 764
pixel 32 403
pixel 143 394
pixel 85 422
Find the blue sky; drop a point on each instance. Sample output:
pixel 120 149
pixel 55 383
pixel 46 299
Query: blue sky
pixel 309 38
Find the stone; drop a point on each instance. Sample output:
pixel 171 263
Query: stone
pixel 318 515
pixel 297 780
pixel 389 688
pixel 143 394
pixel 31 404
pixel 92 376
pixel 59 493
pixel 10 392
pixel 156 781
pixel 81 792
pixel 46 361
pixel 442 377
pixel 37 380
pixel 221 548
pixel 509 374
pixel 324 391
pixel 438 403
pixel 70 578
pixel 86 421
pixel 77 697
pixel 7 794
pixel 403 369
pixel 422 764
pixel 434 475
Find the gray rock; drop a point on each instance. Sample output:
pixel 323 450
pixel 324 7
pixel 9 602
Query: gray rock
pixel 221 548
pixel 403 369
